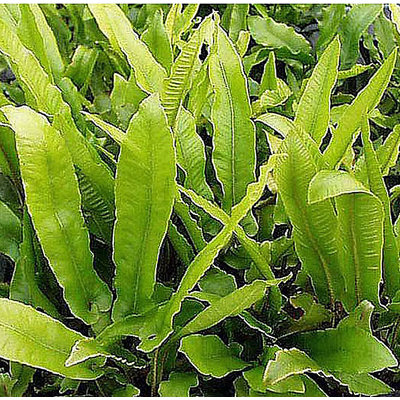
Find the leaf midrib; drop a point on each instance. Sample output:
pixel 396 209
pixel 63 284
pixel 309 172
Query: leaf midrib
pixel 32 338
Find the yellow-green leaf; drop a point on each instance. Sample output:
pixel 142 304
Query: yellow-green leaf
pixel 33 338
pixel 145 190
pixel 53 201
pixel 234 134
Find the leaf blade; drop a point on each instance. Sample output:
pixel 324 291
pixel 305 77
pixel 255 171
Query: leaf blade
pixel 143 205
pixel 46 168
pixel 33 338
pixel 149 73
pixel 234 165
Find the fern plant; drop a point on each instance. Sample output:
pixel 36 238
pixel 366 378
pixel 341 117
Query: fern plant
pixel 175 222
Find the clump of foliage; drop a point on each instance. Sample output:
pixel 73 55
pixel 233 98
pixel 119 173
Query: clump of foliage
pixel 199 200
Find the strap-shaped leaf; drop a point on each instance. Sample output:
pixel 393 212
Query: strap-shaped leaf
pixel 350 122
pixel 178 83
pixel 190 153
pixel 26 67
pixel 156 38
pixel 198 267
pixel 377 186
pixel 96 182
pixel 145 189
pixel 215 212
pixel 314 107
pixel 360 232
pixel 358 19
pixel 199 92
pixel 160 325
pixel 117 28
pixel 82 65
pixel 234 133
pixel 156 325
pixel 33 338
pixel 328 24
pixel 314 225
pixel 353 71
pixel 53 201
pixel 360 218
pixel 228 306
pixel 190 224
pixel 36 35
pixel 178 21
pixel 250 245
pixel 180 244
pixel 234 19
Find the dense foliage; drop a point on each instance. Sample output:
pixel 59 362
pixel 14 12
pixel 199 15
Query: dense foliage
pixel 199 200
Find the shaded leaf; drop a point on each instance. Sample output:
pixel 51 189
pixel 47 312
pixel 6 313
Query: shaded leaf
pixel 24 285
pixel 10 228
pixel 96 184
pixel 178 384
pixel 190 153
pixel 210 356
pixel 352 27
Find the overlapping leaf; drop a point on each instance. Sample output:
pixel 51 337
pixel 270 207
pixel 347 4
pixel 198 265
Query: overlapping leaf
pixel 149 73
pixel 313 224
pixel 360 233
pixel 54 202
pixel 350 122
